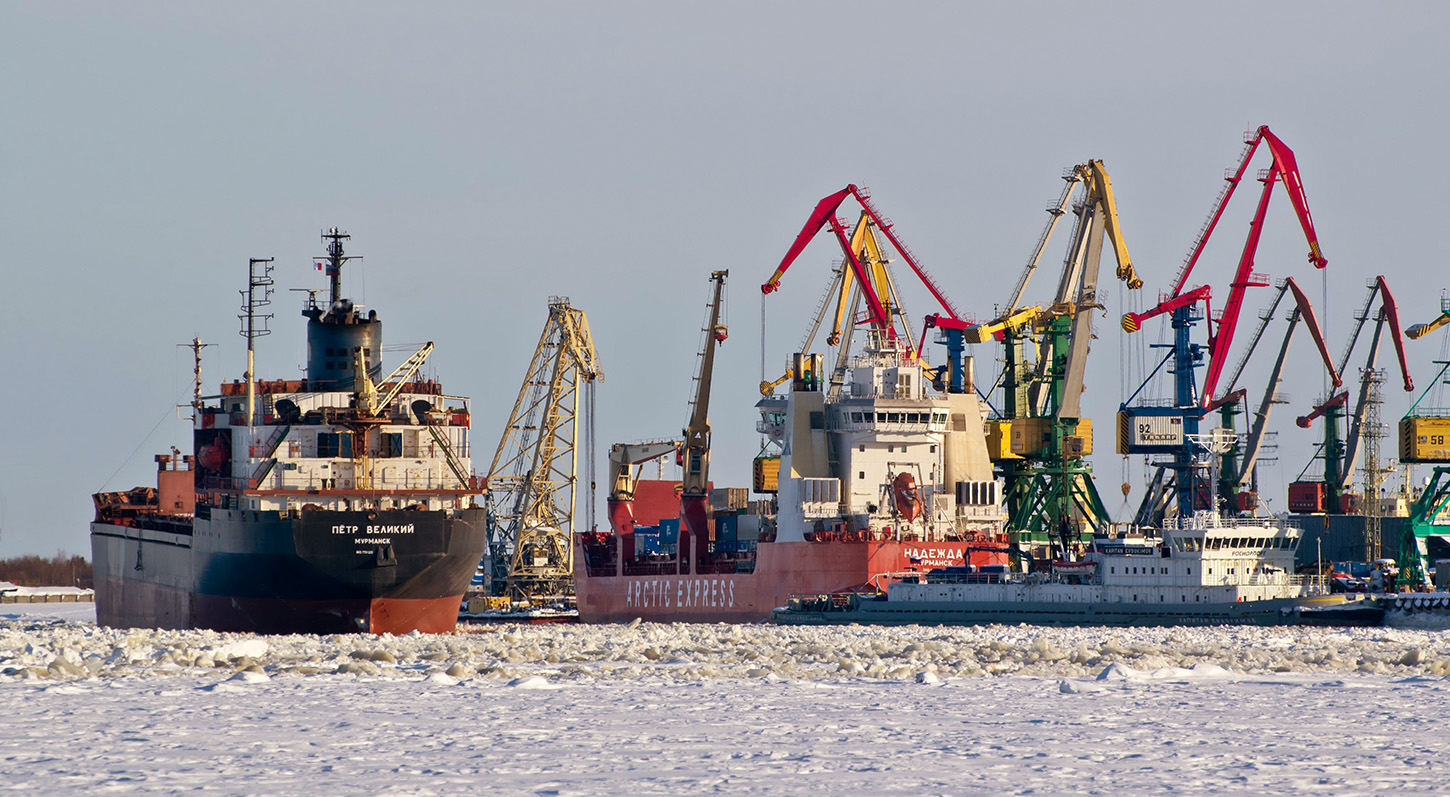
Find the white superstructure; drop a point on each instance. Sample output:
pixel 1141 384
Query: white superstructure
pixel 1201 560
pixel 882 455
pixel 412 452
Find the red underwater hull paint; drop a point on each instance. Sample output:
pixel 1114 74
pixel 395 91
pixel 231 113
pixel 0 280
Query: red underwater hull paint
pixel 782 569
pixel 342 616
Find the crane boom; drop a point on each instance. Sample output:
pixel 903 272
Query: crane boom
pixel 371 401
pixel 623 457
pixel 1055 212
pixel 694 493
pixel 1305 312
pixel 825 214
pixel 1102 187
pixel 1079 285
pixel 1288 168
pixel 1388 314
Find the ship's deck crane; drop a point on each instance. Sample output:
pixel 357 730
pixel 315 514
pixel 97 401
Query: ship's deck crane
pixel 369 400
pixel 1340 458
pixel 533 479
pixel 624 460
pixel 1172 430
pixel 695 492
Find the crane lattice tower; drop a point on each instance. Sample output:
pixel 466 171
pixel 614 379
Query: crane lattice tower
pixel 532 481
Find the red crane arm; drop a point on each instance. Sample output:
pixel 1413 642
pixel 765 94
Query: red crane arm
pixel 1220 340
pixel 1339 400
pixel 1392 314
pixel 1289 170
pixel 824 212
pixel 1306 312
pixel 884 224
pixel 937 320
pixel 1132 322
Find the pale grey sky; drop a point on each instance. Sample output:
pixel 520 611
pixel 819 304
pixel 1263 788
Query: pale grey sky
pixel 485 156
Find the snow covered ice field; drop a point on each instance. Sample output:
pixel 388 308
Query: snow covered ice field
pixel 659 709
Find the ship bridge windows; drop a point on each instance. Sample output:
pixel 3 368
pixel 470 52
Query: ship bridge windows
pixel 331 445
pixel 976 493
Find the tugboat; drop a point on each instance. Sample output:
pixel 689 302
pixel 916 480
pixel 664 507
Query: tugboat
pixel 342 502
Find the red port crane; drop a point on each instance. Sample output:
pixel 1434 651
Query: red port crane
pixel 1340 458
pixel 1283 169
pixel 825 215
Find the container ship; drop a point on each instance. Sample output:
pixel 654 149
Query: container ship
pixel 342 502
pixel 878 472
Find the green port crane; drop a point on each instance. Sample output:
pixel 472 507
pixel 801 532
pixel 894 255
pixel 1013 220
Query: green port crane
pixel 1040 441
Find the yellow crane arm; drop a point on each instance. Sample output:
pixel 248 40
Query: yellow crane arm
pixel 767 388
pixel 371 400
pixel 1102 186
pixel 981 333
pixel 1421 330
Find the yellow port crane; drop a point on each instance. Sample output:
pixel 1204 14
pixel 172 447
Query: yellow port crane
pixel 1040 441
pixel 533 479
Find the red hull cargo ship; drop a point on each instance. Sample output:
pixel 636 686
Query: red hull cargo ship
pixel 884 475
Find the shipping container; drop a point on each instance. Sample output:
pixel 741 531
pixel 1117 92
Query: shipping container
pixel 1423 439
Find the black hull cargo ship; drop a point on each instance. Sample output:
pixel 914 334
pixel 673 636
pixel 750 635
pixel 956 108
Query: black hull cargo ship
pixel 343 502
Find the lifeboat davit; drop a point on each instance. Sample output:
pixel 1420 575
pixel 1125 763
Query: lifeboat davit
pixel 906 496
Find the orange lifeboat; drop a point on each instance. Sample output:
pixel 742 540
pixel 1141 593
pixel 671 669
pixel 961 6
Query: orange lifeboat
pixel 906 496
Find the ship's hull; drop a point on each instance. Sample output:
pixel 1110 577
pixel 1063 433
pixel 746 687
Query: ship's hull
pixel 781 569
pixel 1322 610
pixel 320 572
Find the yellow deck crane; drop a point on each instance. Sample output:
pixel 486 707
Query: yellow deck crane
pixel 374 402
pixel 532 481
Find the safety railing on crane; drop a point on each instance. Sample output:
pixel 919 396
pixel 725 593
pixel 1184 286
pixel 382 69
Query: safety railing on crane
pixel 863 195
